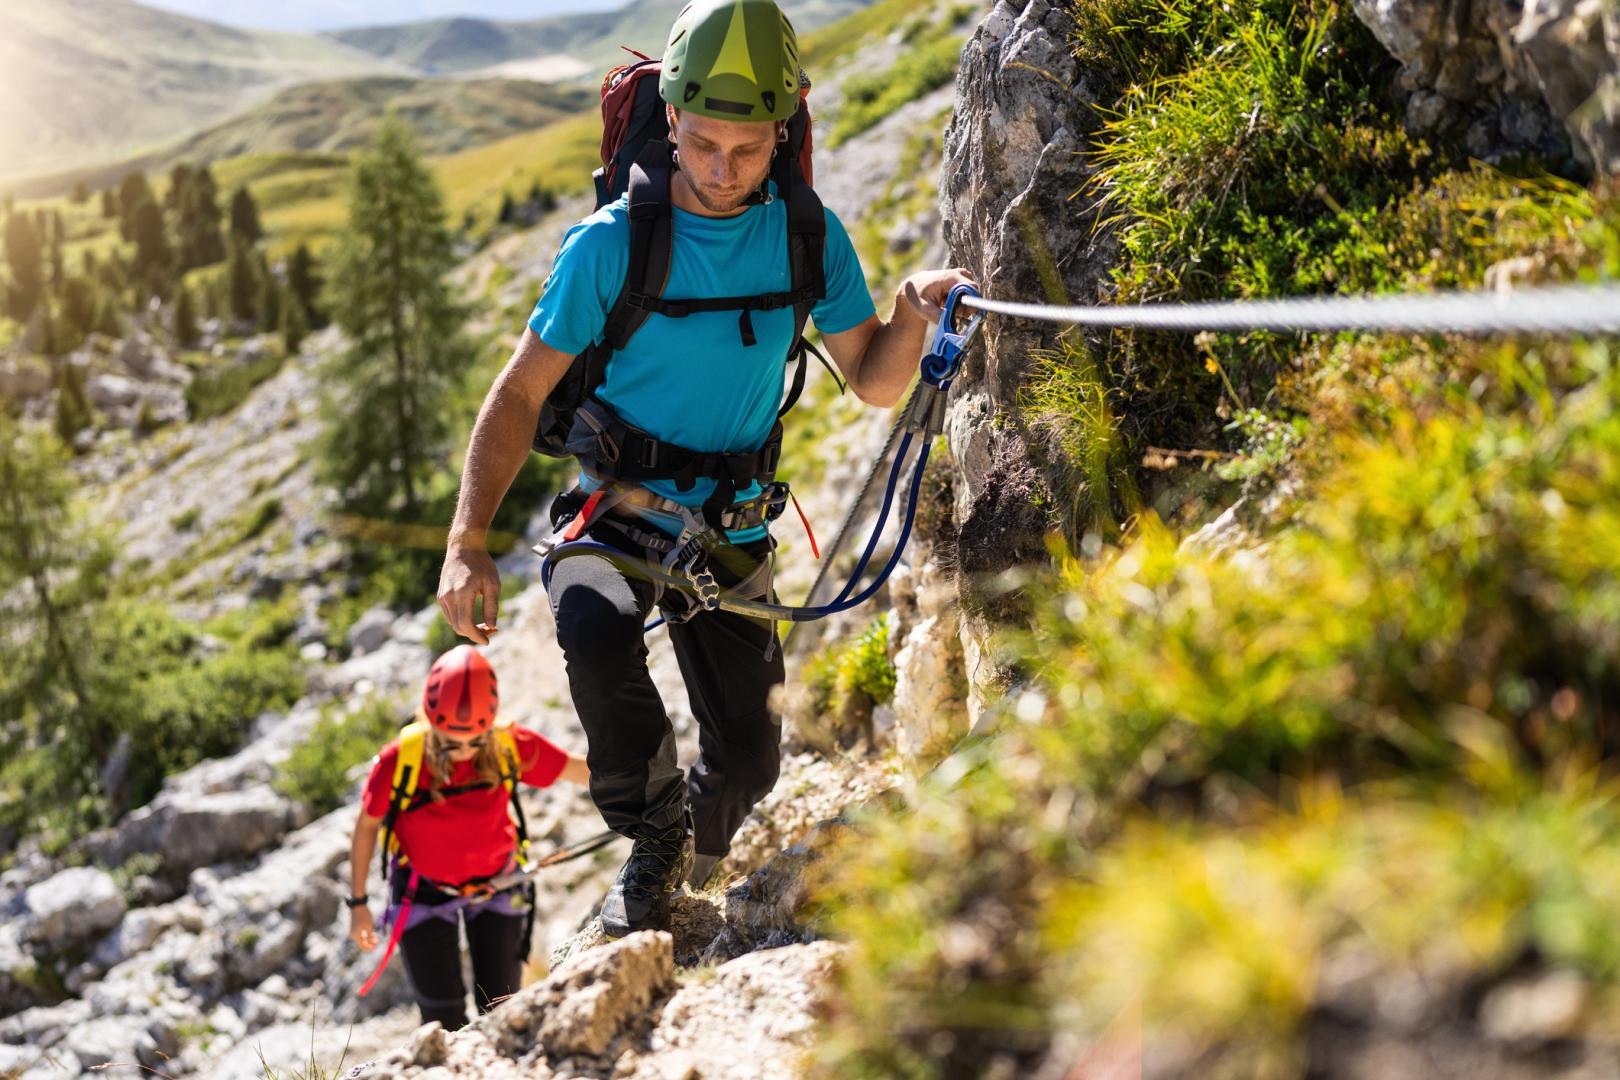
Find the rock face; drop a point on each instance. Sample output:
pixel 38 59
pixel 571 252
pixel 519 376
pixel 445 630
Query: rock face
pixel 1008 189
pixel 1012 164
pixel 1519 74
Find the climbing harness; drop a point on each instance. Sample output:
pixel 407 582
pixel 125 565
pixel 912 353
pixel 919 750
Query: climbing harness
pixel 405 795
pixel 687 566
pixel 479 892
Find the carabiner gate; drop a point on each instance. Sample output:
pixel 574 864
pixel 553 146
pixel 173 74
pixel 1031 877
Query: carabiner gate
pixel 940 366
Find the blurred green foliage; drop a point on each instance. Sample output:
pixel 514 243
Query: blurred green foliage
pixel 1375 720
pixel 316 773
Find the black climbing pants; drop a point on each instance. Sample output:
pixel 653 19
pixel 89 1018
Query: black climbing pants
pixel 432 951
pixel 729 663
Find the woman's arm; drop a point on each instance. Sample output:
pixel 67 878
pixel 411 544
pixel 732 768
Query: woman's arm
pixel 361 926
pixel 576 771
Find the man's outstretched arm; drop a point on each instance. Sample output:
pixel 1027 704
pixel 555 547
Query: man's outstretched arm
pixel 500 442
pixel 878 359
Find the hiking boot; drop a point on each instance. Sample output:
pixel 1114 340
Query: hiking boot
pixel 639 898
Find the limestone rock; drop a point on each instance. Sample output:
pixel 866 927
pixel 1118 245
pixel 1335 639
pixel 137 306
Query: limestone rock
pixel 1517 70
pixel 584 1005
pixel 746 1021
pixel 74 906
pixel 190 830
pixel 371 630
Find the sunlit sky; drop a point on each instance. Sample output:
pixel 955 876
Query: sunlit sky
pixel 336 14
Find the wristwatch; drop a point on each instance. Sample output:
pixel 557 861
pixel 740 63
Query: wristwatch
pixel 358 901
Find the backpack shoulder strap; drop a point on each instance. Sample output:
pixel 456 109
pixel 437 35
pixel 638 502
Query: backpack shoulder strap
pixel 807 245
pixel 407 778
pixel 511 764
pixel 652 239
pixel 511 770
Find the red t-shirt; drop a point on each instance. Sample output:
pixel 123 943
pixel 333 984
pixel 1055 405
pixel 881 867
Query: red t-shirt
pixel 467 835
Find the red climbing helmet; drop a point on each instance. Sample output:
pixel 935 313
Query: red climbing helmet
pixel 460 697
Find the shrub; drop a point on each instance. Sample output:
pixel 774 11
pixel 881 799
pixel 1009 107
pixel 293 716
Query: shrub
pixel 923 65
pixel 317 772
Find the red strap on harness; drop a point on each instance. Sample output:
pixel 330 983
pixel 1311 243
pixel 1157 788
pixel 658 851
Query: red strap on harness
pixel 583 518
pixel 400 920
pixel 814 550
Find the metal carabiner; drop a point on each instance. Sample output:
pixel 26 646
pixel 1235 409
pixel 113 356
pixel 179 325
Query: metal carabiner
pixel 940 366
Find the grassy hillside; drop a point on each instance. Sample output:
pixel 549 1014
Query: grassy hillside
pixel 336 116
pixel 302 196
pixel 463 44
pixel 93 79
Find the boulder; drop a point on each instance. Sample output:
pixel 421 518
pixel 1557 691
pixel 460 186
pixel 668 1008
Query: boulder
pixel 370 632
pixel 189 829
pixel 107 1041
pixel 582 1007
pixel 109 392
pixel 74 906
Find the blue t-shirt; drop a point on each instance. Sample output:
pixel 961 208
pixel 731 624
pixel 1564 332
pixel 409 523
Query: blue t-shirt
pixel 692 381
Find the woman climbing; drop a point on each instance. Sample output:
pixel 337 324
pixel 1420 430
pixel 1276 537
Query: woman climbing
pixel 444 795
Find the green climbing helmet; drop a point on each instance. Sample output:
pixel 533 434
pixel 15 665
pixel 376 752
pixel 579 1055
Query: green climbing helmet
pixel 732 60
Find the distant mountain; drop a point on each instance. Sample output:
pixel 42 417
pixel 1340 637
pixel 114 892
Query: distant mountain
pixel 337 116
pixel 591 39
pixel 87 80
pixel 337 14
pixel 447 115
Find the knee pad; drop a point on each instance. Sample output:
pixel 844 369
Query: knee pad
pixel 591 627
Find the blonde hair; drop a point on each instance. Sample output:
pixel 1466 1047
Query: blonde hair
pixel 487 764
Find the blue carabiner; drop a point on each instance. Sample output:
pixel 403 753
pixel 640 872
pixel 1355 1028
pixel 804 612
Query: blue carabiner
pixel 939 367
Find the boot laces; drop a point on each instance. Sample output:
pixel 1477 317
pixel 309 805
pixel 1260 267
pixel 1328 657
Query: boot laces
pixel 653 859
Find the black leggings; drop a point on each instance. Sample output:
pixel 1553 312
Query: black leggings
pixel 432 952
pixel 729 663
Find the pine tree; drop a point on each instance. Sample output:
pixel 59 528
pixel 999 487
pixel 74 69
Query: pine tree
pixel 152 254
pixel 133 190
pixel 78 298
pixel 508 211
pixel 109 203
pixel 58 264
pixel 179 179
pixel 81 193
pixel 293 326
pixel 50 334
pixel 245 217
pixel 185 318
pixel 73 412
pixel 109 318
pixel 57 704
pixel 25 257
pixel 201 241
pixel 304 285
pixel 244 283
pixel 269 298
pixel 385 424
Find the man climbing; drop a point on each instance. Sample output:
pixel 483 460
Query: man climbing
pixel 681 438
